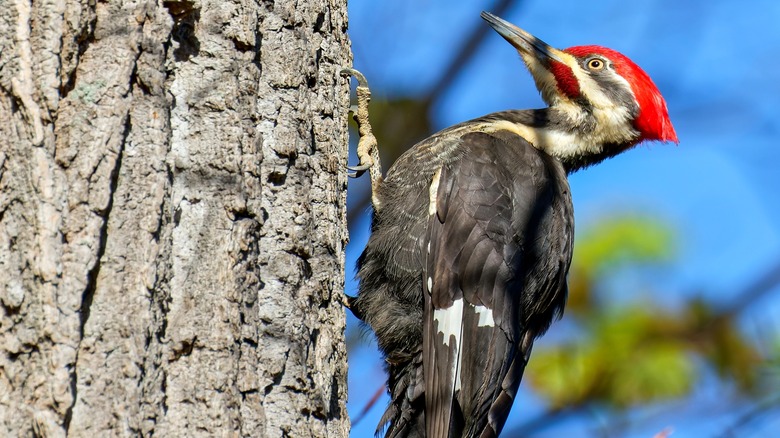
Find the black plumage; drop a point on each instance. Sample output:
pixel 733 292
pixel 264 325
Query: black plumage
pixel 500 230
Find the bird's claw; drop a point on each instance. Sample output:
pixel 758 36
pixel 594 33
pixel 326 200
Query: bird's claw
pixel 360 167
pixel 349 71
pixel 358 170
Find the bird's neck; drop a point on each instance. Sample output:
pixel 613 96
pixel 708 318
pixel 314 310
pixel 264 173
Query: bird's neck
pixel 577 138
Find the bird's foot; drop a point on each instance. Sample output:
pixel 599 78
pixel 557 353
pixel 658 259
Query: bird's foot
pixel 368 149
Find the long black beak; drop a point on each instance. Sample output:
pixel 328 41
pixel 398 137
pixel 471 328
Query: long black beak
pixel 527 44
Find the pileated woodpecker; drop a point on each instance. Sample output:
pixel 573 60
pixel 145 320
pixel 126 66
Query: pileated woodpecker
pixel 473 230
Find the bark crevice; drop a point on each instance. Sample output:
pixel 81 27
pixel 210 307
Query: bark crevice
pixel 88 294
pixel 83 41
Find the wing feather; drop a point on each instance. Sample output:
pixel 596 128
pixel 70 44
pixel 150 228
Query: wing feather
pixel 475 335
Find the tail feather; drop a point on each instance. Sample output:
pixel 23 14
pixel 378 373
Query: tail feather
pixel 405 415
pixel 499 409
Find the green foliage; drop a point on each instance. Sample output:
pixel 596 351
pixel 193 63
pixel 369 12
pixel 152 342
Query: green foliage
pixel 622 240
pixel 611 244
pixel 636 352
pixel 621 362
pixel 716 337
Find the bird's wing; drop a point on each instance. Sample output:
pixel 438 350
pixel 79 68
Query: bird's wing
pixel 486 231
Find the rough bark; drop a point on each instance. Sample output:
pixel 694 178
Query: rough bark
pixel 172 218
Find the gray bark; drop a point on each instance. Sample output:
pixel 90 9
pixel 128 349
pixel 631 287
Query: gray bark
pixel 172 218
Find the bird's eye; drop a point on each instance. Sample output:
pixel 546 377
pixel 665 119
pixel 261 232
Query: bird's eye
pixel 596 64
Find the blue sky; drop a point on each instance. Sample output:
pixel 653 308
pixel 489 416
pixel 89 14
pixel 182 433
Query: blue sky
pixel 718 65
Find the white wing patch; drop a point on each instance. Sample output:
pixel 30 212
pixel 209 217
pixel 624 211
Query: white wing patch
pixel 449 322
pixel 485 316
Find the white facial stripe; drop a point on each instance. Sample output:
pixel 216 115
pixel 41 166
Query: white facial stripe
pixel 546 82
pixel 611 117
pixel 593 91
pixel 610 128
pixel 556 143
pixel 590 88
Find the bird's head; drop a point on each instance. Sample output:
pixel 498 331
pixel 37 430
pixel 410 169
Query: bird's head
pixel 602 92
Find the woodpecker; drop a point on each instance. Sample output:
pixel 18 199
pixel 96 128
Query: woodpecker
pixel 472 234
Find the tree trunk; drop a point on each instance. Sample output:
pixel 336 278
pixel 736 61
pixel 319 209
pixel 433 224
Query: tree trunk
pixel 172 218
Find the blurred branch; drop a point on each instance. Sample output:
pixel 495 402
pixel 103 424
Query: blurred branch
pixel 369 404
pixel 755 291
pixel 758 410
pixel 466 52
